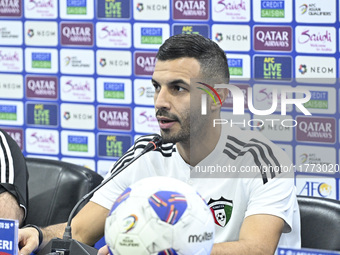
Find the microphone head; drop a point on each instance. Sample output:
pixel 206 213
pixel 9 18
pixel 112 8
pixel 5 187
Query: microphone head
pixel 157 140
pixel 155 143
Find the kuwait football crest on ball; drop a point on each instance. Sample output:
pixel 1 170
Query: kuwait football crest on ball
pixel 221 210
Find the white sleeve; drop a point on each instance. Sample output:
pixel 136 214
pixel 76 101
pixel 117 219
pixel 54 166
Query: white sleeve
pixel 276 197
pixel 147 165
pixel 108 194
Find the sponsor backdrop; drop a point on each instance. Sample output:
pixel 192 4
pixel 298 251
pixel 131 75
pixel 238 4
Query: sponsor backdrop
pixel 75 75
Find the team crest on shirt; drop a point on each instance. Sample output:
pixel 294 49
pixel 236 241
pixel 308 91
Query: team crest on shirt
pixel 221 210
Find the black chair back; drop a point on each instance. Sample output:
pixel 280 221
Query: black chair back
pixel 320 223
pixel 54 187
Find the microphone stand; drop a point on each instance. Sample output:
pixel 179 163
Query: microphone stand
pixel 69 246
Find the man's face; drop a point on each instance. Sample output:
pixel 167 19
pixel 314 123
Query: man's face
pixel 171 80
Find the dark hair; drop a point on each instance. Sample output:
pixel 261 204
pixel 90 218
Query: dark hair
pixel 212 58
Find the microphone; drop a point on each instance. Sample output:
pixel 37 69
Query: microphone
pixel 69 246
pixel 155 143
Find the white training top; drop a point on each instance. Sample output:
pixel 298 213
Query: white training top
pixel 232 196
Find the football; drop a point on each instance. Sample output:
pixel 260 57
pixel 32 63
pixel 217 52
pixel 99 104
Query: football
pixel 160 215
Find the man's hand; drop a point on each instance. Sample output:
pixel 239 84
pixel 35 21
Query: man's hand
pixel 104 250
pixel 28 240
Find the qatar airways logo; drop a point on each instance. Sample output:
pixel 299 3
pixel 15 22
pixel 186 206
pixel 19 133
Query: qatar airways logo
pixel 10 8
pixel 42 87
pixel 77 34
pixel 33 4
pixel 145 63
pixel 118 118
pixel 193 9
pixel 189 7
pixel 273 38
pixel 316 129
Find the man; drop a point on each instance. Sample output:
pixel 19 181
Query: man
pixel 263 207
pixel 13 182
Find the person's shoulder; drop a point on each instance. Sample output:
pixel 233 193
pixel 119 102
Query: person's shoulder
pixel 251 148
pixel 166 149
pixel 7 140
pixel 4 133
pixel 251 139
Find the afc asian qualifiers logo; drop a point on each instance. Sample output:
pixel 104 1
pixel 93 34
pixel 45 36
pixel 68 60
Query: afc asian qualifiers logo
pixel 221 210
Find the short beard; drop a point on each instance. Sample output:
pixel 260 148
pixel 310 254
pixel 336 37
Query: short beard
pixel 182 137
pixel 195 120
